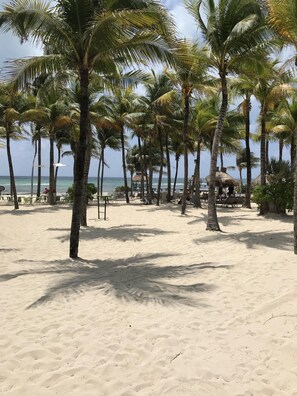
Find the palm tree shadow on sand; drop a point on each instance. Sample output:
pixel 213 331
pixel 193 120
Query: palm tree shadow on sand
pixel 136 279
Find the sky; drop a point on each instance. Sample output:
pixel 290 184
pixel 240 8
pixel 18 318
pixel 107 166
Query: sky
pixel 22 151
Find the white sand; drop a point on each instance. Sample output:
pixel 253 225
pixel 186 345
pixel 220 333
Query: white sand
pixel 157 306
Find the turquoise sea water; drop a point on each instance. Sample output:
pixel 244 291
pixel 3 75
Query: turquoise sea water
pixel 23 184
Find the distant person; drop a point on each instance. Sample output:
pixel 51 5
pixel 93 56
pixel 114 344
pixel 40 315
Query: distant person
pixel 230 190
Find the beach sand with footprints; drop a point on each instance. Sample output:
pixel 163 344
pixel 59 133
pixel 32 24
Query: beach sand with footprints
pixel 156 305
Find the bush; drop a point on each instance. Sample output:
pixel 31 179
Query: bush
pixel 91 190
pixel 279 192
pixel 122 189
pixel 279 196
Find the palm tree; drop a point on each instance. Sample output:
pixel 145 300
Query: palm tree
pixel 284 124
pixel 177 149
pixel 157 102
pixel 122 105
pixel 241 162
pixel 87 35
pixel 234 30
pixel 33 90
pixel 53 115
pixel 11 105
pixel 207 112
pixel 244 87
pixel 190 76
pixel 271 85
pixel 105 137
pixel 283 16
pixel 133 162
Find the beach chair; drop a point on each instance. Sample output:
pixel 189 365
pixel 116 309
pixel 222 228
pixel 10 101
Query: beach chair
pixel 240 201
pixel 226 202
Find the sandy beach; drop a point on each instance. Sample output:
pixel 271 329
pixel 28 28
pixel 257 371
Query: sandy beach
pixel 157 305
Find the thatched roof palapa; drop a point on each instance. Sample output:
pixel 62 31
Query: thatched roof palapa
pixel 137 178
pixel 223 179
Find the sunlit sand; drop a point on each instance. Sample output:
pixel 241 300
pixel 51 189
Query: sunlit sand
pixel 155 306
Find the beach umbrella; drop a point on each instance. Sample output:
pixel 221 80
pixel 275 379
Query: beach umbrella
pixel 223 179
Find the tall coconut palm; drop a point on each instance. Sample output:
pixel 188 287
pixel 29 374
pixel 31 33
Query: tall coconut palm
pixel 34 90
pixel 244 87
pixel 234 31
pixel 11 105
pixel 157 102
pixel 271 85
pixel 284 124
pixel 189 76
pixel 122 105
pixel 53 115
pixel 87 35
pixel 133 162
pixel 241 162
pixel 207 113
pixel 105 137
pixel 283 17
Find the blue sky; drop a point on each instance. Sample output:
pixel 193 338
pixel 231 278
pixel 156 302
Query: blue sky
pixel 22 152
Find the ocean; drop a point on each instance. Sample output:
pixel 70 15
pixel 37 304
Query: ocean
pixel 23 184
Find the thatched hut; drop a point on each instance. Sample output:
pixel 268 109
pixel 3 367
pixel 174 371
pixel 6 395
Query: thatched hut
pixel 223 179
pixel 136 179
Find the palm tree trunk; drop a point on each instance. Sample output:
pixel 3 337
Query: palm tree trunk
pixel 161 165
pixel 124 164
pixel 10 166
pixel 39 163
pixel 32 172
pixel 57 168
pixel 197 200
pixel 102 172
pixel 240 178
pixel 247 199
pixel 295 200
pixel 293 151
pixel 280 148
pixel 146 167
pixel 51 196
pixel 98 185
pixel 267 153
pixel 177 156
pixel 222 158
pixel 80 163
pixel 143 170
pixel 185 141
pixel 150 171
pixel 263 205
pixel 212 220
pixel 83 220
pixel 168 198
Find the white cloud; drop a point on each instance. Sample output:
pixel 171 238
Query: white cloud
pixel 187 26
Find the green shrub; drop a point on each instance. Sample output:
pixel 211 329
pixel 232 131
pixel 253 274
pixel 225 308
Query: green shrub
pixel 122 189
pixel 279 191
pixel 91 190
pixel 279 194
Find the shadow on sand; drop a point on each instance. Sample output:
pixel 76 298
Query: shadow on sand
pixel 253 240
pixel 36 209
pixel 122 233
pixel 136 279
